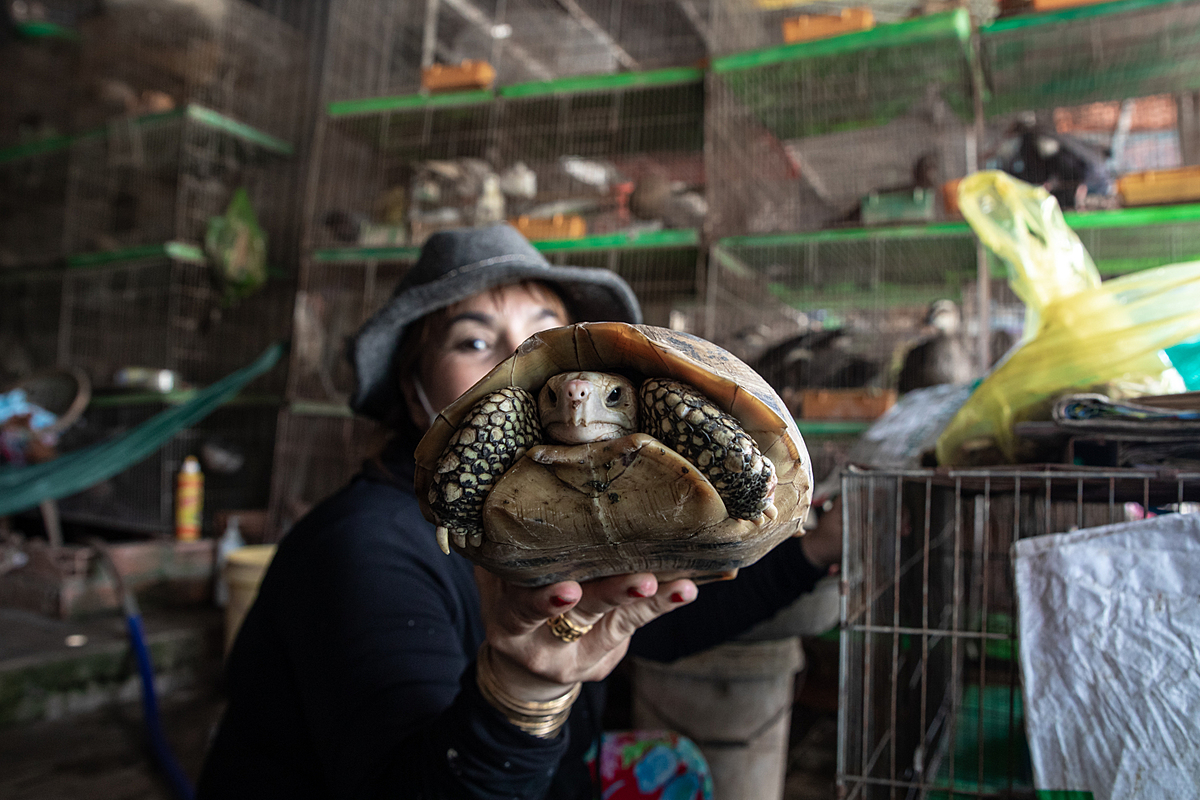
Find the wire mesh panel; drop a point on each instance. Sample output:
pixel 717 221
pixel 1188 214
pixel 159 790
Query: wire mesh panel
pixel 859 129
pixel 41 103
pixel 162 177
pixel 665 279
pixel 29 324
pixel 234 445
pixel 835 310
pixel 231 56
pixel 377 47
pixel 33 198
pixel 1110 51
pixel 931 703
pixel 316 454
pixel 338 298
pixel 561 161
pixel 162 312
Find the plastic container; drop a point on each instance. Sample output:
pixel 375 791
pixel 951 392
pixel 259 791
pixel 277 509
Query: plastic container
pixel 807 27
pixel 231 541
pixel 189 500
pixel 244 570
pixel 569 226
pixel 450 78
pixel 1160 186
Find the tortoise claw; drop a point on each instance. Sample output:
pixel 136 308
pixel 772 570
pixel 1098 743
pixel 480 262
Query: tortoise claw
pixel 443 539
pixel 460 539
pixel 476 539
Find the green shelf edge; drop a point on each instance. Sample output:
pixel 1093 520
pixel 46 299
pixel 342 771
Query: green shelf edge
pixel 408 102
pixel 948 24
pixel 193 111
pixel 579 84
pixel 1069 14
pixel 575 84
pixel 1077 220
pixel 176 398
pixel 177 251
pixel 42 29
pixel 830 427
pixel 317 408
pixel 608 241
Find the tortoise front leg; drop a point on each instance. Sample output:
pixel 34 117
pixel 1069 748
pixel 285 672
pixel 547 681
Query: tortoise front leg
pixel 498 430
pixel 684 419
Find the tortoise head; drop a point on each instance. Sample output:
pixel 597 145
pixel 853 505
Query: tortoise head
pixel 581 407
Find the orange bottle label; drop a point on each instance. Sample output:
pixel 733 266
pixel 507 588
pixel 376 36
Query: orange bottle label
pixel 189 506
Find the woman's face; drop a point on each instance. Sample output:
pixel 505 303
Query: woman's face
pixel 475 335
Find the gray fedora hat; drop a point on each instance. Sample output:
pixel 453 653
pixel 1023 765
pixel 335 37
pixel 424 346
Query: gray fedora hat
pixel 455 265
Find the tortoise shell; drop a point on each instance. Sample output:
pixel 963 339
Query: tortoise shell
pixel 576 512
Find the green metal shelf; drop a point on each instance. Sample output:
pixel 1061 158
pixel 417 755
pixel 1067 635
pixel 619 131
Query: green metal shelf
pixel 576 84
pixel 822 427
pixel 196 113
pixel 649 240
pixel 176 251
pixel 1108 51
pixel 855 80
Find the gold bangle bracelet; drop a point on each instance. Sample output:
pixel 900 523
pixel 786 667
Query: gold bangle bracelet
pixel 542 718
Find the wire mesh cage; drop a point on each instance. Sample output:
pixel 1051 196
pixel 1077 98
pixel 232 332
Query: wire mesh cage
pixel 316 453
pixel 162 177
pixel 624 154
pixel 234 445
pixel 33 196
pixel 841 309
pixel 860 129
pixel 41 103
pixel 29 324
pixel 1104 52
pixel 246 61
pixel 339 296
pixel 377 48
pixel 931 701
pixel 163 312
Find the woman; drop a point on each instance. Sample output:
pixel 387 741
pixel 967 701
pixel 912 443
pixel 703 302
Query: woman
pixel 373 665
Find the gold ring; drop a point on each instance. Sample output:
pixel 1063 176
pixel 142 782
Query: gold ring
pixel 566 630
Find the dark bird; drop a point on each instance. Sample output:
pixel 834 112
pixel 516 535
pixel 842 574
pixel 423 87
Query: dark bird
pixel 1068 168
pixel 815 360
pixel 940 357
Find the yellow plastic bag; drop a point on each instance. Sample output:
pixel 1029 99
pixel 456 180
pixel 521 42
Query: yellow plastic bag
pixel 1080 334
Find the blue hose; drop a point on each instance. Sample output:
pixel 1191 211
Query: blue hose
pixel 180 784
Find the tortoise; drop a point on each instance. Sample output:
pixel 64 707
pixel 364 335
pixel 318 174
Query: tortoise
pixel 607 448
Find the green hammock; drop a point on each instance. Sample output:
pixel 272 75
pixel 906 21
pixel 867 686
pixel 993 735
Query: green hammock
pixel 25 487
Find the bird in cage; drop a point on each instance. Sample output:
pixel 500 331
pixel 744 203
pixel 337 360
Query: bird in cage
pixel 941 356
pixel 822 359
pixel 673 203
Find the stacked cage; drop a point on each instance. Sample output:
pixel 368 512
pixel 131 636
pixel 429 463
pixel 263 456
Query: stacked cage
pixel 592 155
pixel 931 701
pixel 378 48
pixel 133 239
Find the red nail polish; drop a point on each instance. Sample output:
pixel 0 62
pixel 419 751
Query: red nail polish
pixel 560 601
pixel 677 597
pixel 636 592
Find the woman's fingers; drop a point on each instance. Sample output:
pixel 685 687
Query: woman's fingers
pixel 605 594
pixel 519 609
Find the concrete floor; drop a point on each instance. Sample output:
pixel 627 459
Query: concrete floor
pixel 101 754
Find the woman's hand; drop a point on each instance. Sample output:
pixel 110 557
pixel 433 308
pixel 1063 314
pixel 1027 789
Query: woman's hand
pixel 533 663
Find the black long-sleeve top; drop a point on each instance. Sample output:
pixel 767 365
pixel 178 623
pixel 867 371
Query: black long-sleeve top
pixel 353 675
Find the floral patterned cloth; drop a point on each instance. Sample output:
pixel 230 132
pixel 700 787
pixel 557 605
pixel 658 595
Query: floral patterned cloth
pixel 651 765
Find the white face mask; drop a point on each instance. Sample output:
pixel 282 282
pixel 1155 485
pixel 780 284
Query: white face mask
pixel 421 396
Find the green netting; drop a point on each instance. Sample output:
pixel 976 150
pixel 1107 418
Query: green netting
pixel 25 487
pixel 990 754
